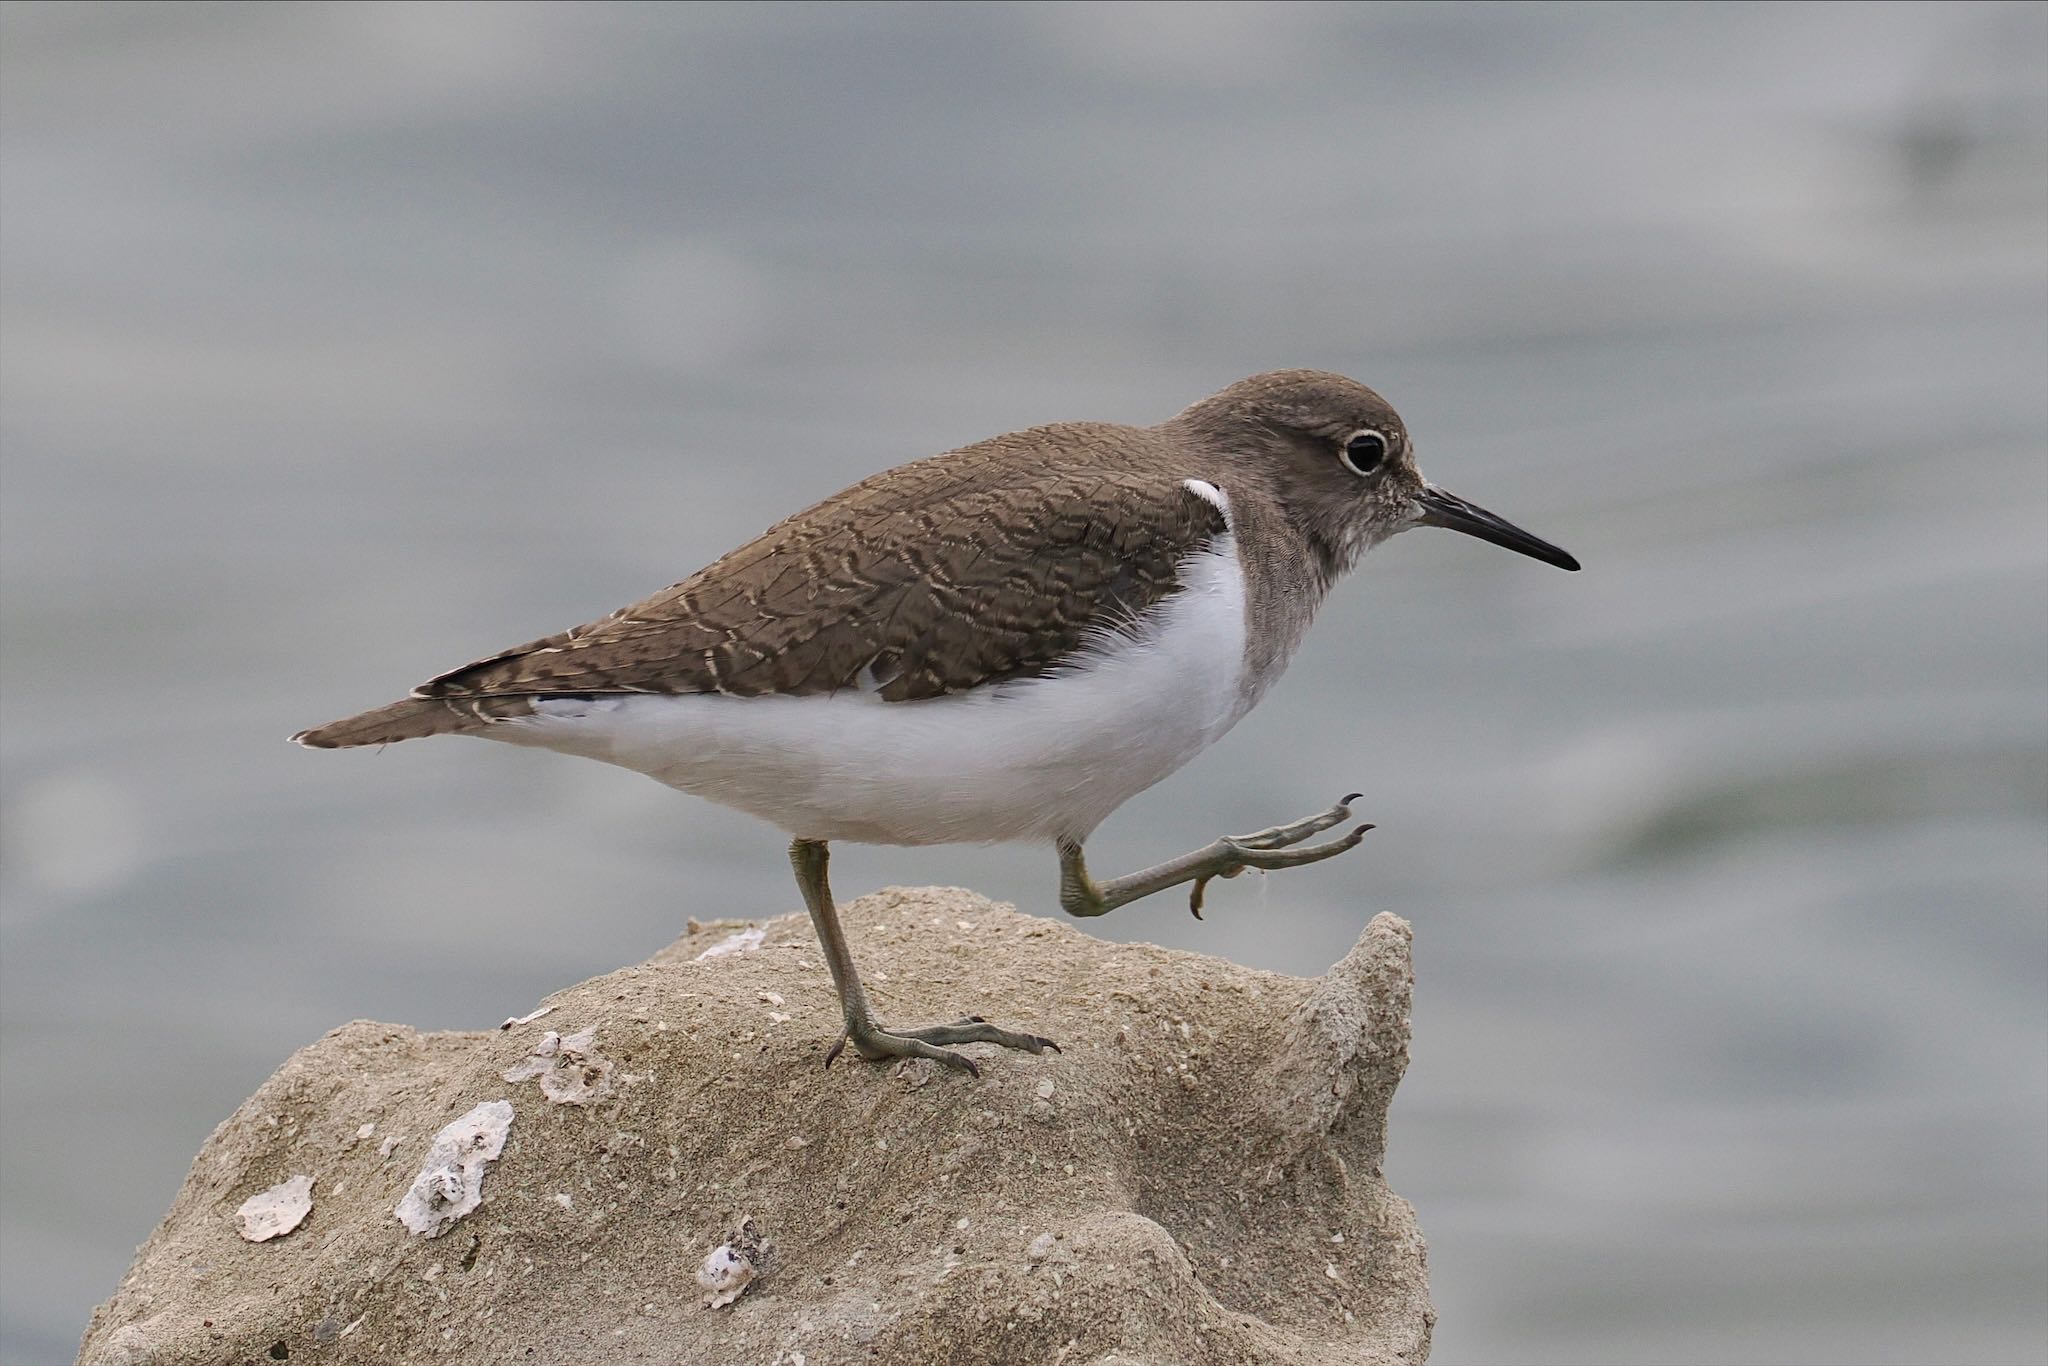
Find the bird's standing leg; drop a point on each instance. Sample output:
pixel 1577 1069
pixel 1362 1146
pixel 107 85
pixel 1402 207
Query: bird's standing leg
pixel 1082 895
pixel 869 1039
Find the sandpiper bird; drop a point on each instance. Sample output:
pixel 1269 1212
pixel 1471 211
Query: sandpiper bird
pixel 1004 642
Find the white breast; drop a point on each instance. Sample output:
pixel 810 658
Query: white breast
pixel 1033 758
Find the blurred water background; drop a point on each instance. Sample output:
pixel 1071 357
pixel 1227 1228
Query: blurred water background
pixel 344 343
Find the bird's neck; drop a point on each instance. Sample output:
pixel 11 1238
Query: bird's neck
pixel 1287 576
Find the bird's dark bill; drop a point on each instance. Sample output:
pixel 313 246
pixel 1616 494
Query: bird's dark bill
pixel 1448 510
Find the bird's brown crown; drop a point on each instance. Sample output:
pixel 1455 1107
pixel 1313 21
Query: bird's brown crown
pixel 1305 402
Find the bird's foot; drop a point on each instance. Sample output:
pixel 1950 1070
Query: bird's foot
pixel 1274 847
pixel 877 1044
pixel 1227 857
pixel 1294 832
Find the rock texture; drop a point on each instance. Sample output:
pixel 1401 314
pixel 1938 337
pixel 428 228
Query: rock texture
pixel 1194 1179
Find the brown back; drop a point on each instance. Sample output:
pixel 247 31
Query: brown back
pixel 992 562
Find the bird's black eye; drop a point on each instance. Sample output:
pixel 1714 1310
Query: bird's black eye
pixel 1364 452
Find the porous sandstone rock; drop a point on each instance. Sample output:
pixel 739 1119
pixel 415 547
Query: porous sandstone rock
pixel 1194 1179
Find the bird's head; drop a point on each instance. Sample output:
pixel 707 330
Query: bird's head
pixel 1339 459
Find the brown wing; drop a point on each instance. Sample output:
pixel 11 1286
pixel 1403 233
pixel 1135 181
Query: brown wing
pixel 989 563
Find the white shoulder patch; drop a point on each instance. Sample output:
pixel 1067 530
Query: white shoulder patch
pixel 1211 495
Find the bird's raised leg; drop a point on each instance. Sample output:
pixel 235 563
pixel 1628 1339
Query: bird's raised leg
pixel 1082 895
pixel 870 1039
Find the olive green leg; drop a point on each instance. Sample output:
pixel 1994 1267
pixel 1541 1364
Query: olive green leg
pixel 870 1039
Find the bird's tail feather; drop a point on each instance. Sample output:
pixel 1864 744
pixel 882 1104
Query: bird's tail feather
pixel 407 720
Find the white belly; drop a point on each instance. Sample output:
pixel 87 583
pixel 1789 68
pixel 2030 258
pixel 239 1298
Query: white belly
pixel 1034 758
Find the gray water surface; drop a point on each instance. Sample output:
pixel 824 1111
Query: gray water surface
pixel 342 344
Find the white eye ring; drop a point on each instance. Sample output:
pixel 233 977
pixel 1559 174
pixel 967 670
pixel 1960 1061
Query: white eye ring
pixel 1364 452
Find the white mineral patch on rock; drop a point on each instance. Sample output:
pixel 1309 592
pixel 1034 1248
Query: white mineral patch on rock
pixel 732 1266
pixel 451 1184
pixel 725 1274
pixel 741 941
pixel 571 1070
pixel 275 1212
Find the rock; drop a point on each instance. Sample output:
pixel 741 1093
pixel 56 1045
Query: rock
pixel 1170 1188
